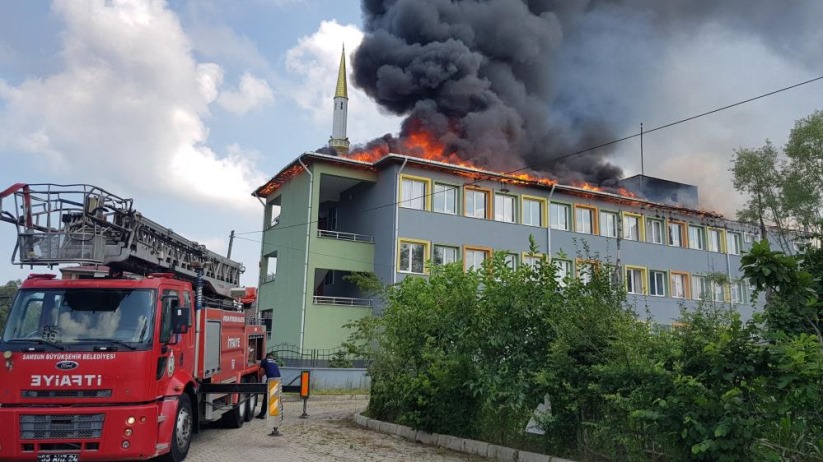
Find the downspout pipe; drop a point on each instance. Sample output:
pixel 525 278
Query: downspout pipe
pixel 397 223
pixel 549 223
pixel 306 262
pixel 728 267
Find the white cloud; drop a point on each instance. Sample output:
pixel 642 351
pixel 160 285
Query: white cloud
pixel 252 93
pixel 127 107
pixel 316 60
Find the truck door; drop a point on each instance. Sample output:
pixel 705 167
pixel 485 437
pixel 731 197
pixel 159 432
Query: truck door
pixel 173 349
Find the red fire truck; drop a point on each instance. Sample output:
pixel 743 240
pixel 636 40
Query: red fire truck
pixel 125 367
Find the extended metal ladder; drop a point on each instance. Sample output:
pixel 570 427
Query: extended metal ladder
pixel 58 224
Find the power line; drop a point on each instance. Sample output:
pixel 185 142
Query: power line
pixel 591 148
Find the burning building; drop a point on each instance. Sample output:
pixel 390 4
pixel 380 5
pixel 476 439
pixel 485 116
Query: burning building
pixel 374 210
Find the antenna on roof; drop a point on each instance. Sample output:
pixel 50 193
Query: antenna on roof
pixel 642 166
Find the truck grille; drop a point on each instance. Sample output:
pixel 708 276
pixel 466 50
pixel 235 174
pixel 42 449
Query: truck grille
pixel 66 393
pixel 61 426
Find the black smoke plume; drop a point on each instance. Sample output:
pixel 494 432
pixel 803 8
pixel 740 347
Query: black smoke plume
pixel 500 82
pixel 476 75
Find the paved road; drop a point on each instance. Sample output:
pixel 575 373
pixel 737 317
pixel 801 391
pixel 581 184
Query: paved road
pixel 329 434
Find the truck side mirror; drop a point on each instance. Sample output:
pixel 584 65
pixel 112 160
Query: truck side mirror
pixel 180 320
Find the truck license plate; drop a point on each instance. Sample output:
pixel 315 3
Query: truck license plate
pixel 58 458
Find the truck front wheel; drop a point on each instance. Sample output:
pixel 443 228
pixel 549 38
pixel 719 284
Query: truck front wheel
pixel 183 427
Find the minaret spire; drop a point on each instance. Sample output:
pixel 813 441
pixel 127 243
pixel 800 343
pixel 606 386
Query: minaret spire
pixel 338 140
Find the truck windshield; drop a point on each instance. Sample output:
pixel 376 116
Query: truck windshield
pixel 70 316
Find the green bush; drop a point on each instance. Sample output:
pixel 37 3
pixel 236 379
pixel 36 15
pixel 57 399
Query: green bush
pixel 472 354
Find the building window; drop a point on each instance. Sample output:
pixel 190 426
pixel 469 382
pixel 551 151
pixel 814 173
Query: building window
pixel 273 212
pixel 531 260
pixel 412 257
pixel 473 258
pixel 511 260
pixel 631 227
pixel 560 216
pixel 504 208
pixel 584 220
pixel 585 270
pixel 413 193
pixel 716 291
pixel 608 224
pixel 564 269
pixel 737 290
pixel 533 211
pixel 700 288
pixel 445 198
pixel 697 239
pixel 734 243
pixel 443 255
pixel 677 232
pixel 634 280
pixel 476 203
pixel 657 283
pixel 715 240
pixel 328 279
pixel 680 285
pixel 654 231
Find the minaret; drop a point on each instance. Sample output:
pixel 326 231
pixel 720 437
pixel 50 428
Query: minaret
pixel 338 139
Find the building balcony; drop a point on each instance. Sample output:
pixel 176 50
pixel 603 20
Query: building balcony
pixel 343 236
pixel 341 301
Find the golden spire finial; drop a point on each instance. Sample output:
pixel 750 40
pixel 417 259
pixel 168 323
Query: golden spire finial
pixel 341 91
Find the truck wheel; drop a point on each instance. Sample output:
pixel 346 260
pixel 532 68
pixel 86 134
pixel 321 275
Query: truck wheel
pixel 182 433
pixel 235 417
pixel 251 402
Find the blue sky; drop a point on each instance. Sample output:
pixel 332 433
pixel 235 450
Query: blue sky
pixel 188 106
pixel 184 106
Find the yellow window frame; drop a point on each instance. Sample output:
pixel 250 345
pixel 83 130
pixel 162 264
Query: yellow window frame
pixel 544 210
pixel 427 204
pixel 722 233
pixel 427 249
pixel 644 278
pixel 524 255
pixel 641 225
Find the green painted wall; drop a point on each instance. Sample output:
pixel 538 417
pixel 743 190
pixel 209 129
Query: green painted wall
pixel 288 238
pixel 323 326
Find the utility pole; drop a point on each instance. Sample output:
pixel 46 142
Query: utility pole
pixel 231 241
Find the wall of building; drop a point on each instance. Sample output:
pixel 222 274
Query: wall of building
pixel 457 230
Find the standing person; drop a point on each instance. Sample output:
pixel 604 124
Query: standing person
pixel 269 369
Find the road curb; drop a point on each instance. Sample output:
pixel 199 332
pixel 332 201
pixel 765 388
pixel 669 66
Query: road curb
pixel 454 443
pixel 290 397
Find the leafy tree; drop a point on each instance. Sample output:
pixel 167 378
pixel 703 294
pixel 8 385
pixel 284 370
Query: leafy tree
pixel 792 306
pixel 757 174
pixel 784 190
pixel 803 188
pixel 7 293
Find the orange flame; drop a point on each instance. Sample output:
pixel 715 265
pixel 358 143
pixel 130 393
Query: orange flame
pixel 423 144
